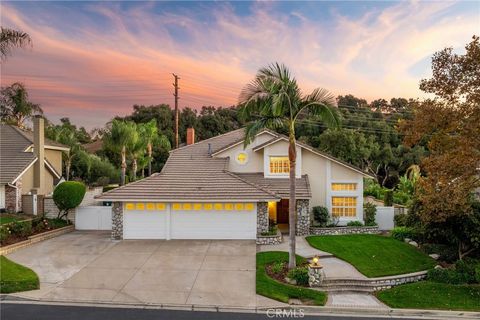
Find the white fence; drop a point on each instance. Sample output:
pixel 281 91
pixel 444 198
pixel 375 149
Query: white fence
pixel 93 218
pixel 384 218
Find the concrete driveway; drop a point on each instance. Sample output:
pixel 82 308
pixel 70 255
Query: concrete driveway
pixel 88 266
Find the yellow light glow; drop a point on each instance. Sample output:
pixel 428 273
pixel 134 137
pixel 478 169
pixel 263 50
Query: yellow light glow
pixel 187 206
pixel 197 206
pixel 129 206
pixel 150 206
pixel 160 206
pixel 208 206
pixel 140 206
pixel 242 158
pixel 239 206
pixel 177 206
pixel 229 206
pixel 249 206
pixel 218 206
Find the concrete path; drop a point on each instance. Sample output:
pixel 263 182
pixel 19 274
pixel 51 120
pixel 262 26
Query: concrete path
pixel 301 247
pixel 88 266
pixel 354 300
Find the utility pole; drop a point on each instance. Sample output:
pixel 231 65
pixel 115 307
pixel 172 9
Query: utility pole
pixel 175 84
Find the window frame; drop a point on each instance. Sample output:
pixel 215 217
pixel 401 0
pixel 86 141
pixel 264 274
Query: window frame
pixel 283 173
pixel 344 207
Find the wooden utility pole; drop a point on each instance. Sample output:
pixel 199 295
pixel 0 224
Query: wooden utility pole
pixel 175 84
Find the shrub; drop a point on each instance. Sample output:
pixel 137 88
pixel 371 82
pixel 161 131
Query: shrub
pixel 21 228
pixel 68 195
pixel 465 272
pixel 447 253
pixel 300 275
pixel 5 233
pixel 400 220
pixel 400 233
pixel 370 211
pixel 445 276
pixel 277 267
pixel 320 215
pixel 477 273
pixel 388 198
pixel 355 223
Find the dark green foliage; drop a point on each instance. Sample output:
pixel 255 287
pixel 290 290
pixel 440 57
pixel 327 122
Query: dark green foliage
pixel 464 272
pixel 320 216
pixel 388 198
pixel 370 211
pixel 108 188
pixel 400 220
pixel 400 233
pixel 68 195
pixel 448 253
pixel 278 267
pixel 355 223
pixel 300 275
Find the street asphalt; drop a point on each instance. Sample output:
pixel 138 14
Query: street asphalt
pixel 15 311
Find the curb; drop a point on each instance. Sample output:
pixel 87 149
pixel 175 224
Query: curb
pixel 307 310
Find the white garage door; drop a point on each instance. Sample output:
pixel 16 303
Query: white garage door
pixel 191 221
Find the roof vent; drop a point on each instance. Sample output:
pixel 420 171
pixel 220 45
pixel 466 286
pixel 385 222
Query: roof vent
pixel 209 149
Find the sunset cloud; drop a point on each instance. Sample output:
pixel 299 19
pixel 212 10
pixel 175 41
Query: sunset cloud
pixel 91 61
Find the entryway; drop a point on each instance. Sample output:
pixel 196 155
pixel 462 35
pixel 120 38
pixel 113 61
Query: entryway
pixel 278 212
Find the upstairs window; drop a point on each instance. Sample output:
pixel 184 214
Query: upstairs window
pixel 279 165
pixel 344 186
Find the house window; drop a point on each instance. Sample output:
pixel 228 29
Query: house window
pixel 177 206
pixel 344 206
pixel 130 206
pixel 239 206
pixel 218 206
pixel 197 206
pixel 279 165
pixel 140 206
pixel 207 206
pixel 150 206
pixel 160 206
pixel 187 206
pixel 242 158
pixel 249 206
pixel 344 186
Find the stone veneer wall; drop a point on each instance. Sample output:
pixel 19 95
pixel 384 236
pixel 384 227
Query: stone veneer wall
pixel 262 217
pixel 117 221
pixel 13 198
pixel 270 240
pixel 343 230
pixel 303 217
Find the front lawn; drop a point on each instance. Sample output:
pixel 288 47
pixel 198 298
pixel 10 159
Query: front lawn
pixel 432 295
pixel 15 277
pixel 9 218
pixel 273 289
pixel 374 255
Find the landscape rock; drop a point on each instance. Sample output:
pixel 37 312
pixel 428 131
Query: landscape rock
pixel 407 240
pixel 434 256
pixel 438 267
pixel 413 243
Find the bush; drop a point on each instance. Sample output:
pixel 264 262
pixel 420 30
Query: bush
pixel 400 220
pixel 477 274
pixel 465 272
pixel 277 267
pixel 299 274
pixel 68 195
pixel 355 223
pixel 388 198
pixel 447 253
pixel 446 276
pixel 370 211
pixel 400 233
pixel 21 228
pixel 320 215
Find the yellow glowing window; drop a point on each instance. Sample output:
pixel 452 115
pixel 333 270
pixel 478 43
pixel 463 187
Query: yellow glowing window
pixel 208 206
pixel 129 206
pixel 249 206
pixel 160 206
pixel 229 206
pixel 187 206
pixel 279 165
pixel 177 206
pixel 150 206
pixel 344 206
pixel 242 158
pixel 197 206
pixel 140 206
pixel 218 206
pixel 238 206
pixel 344 186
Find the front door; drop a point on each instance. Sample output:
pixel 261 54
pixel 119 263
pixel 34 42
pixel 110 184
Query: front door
pixel 282 211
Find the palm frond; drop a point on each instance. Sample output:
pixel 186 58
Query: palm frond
pixel 10 38
pixel 320 104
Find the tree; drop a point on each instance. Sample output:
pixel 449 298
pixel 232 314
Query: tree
pixel 68 195
pixel 9 39
pixel 275 100
pixel 149 135
pixel 450 124
pixel 16 108
pixel 121 135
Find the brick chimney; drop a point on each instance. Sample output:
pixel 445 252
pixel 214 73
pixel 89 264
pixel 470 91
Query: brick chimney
pixel 190 136
pixel 39 151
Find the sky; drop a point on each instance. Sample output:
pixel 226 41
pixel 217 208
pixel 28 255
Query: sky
pixel 93 60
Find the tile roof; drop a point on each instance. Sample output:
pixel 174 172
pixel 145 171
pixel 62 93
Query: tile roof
pixel 29 136
pixel 281 186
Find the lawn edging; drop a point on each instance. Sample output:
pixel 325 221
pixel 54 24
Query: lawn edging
pixel 36 238
pixel 273 289
pixel 16 278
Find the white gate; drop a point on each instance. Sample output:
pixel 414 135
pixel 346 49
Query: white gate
pixel 384 218
pixel 93 218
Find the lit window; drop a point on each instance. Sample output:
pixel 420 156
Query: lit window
pixel 187 206
pixel 242 158
pixel 249 206
pixel 140 206
pixel 229 206
pixel 208 206
pixel 197 206
pixel 218 206
pixel 150 206
pixel 160 206
pixel 177 206
pixel 239 206
pixel 344 206
pixel 129 206
pixel 279 165
pixel 344 186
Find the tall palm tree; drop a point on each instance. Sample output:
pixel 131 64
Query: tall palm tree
pixel 150 136
pixel 274 100
pixel 9 39
pixel 16 108
pixel 121 135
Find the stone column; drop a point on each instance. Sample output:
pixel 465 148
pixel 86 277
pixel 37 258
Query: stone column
pixel 117 221
pixel 262 217
pixel 303 217
pixel 13 197
pixel 315 275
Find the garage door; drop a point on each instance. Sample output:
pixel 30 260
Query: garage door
pixel 140 223
pixel 190 221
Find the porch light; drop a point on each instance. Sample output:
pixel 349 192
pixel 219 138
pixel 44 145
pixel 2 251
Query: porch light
pixel 315 261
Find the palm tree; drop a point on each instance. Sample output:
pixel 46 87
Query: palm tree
pixel 121 135
pixel 275 100
pixel 149 134
pixel 16 108
pixel 9 39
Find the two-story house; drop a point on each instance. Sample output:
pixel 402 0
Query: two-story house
pixel 219 189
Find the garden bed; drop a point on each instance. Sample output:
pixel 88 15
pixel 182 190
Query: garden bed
pixel 18 231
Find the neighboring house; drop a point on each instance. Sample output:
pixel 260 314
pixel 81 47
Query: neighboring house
pixel 29 164
pixel 217 189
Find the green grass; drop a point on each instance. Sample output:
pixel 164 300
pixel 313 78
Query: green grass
pixel 15 277
pixel 4 220
pixel 374 255
pixel 432 295
pixel 273 289
pixel 9 218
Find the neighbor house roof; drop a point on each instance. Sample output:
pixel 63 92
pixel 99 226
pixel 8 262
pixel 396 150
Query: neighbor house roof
pixel 14 157
pixel 49 144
